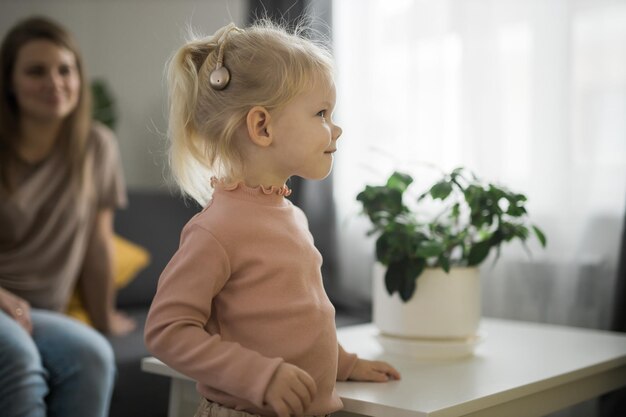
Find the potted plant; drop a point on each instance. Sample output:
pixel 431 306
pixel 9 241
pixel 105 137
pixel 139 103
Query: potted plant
pixel 103 105
pixel 433 260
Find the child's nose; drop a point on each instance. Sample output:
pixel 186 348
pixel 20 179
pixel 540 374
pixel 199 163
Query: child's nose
pixel 337 131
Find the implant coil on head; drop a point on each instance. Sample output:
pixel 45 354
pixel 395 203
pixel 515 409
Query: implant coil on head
pixel 220 76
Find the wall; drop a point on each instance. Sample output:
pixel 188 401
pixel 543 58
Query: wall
pixel 127 42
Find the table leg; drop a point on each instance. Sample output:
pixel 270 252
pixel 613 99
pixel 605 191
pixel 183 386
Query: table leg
pixel 176 396
pixel 184 398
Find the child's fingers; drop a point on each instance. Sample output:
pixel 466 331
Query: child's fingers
pixel 304 396
pixel 295 404
pixel 309 383
pixel 387 369
pixel 377 376
pixel 291 391
pixel 281 408
pixel 375 371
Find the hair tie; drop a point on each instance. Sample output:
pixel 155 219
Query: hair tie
pixel 220 76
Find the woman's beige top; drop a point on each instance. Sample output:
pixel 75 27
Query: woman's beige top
pixel 46 223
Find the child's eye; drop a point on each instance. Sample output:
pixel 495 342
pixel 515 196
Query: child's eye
pixel 322 113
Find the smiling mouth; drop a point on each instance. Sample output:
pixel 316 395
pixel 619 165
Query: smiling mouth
pixel 53 99
pixel 331 151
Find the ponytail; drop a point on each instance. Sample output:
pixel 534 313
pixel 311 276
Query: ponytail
pixel 187 150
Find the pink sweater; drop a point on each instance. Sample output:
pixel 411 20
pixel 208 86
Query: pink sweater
pixel 242 294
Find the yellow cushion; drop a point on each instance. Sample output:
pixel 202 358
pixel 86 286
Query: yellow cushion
pixel 130 258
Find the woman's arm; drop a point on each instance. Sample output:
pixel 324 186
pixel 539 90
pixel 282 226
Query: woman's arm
pixel 96 283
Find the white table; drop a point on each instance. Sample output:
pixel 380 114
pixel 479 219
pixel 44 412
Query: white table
pixel 520 369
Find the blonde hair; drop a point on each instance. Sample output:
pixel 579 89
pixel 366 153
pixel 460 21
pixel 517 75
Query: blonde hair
pixel 268 66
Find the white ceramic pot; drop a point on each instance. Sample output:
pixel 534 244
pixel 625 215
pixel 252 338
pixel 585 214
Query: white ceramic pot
pixel 444 306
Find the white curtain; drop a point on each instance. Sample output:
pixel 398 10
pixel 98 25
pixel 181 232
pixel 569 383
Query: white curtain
pixel 530 94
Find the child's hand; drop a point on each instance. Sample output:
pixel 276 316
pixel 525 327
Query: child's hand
pixel 290 391
pixel 374 371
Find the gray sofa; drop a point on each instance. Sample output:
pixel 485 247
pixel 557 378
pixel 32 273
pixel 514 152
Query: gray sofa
pixel 153 219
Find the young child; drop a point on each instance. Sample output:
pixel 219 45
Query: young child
pixel 241 308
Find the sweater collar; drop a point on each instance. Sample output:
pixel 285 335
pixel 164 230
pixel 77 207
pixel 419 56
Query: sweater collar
pixel 260 193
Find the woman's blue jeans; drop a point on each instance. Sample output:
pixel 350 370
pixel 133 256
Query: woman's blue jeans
pixel 65 369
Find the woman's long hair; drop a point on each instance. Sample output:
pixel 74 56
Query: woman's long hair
pixel 75 128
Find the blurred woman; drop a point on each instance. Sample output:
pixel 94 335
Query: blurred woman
pixel 60 182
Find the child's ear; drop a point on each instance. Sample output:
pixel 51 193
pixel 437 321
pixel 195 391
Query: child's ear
pixel 257 122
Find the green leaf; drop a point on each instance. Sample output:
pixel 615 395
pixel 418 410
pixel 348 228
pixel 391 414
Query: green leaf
pixel 473 195
pixel 427 249
pixel 381 204
pixel 393 277
pixel 393 244
pixel 407 288
pixel 441 190
pixel 401 277
pixel 497 237
pixel 444 261
pixel 457 171
pixel 456 211
pixel 540 236
pixel 478 253
pixel 399 181
pixel 515 211
pixel 409 283
pixel 521 232
pixel 382 249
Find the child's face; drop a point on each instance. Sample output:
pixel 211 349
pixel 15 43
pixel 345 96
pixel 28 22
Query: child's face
pixel 305 135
